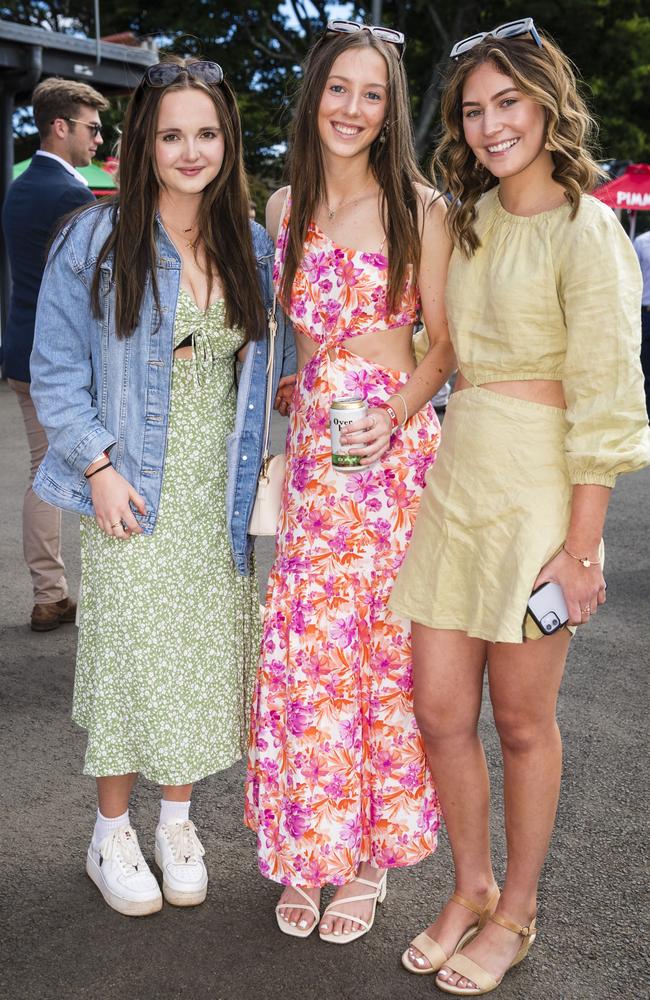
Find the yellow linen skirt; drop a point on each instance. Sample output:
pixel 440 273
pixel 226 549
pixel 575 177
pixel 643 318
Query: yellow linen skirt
pixel 495 509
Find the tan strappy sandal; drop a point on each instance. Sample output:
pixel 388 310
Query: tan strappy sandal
pixel 287 928
pixel 377 895
pixel 433 951
pixel 468 968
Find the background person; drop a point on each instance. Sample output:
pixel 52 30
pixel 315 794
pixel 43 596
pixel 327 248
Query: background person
pixel 543 302
pixel 642 247
pixel 337 788
pixel 147 300
pixel 66 114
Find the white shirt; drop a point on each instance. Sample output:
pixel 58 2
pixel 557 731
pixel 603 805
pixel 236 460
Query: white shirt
pixel 642 247
pixel 64 163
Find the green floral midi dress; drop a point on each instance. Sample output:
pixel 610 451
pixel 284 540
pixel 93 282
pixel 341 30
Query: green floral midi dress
pixel 169 630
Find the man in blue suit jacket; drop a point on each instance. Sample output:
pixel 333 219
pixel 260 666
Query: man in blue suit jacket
pixel 67 118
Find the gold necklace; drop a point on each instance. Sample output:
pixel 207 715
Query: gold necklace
pixel 189 244
pixel 331 212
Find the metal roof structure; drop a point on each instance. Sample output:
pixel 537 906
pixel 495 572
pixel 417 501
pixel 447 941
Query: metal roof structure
pixel 106 66
pixel 28 55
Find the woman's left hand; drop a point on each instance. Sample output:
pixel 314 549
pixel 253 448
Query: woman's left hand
pixel 583 587
pixel 284 394
pixel 370 436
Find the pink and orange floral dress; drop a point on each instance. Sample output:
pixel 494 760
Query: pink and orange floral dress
pixel 336 768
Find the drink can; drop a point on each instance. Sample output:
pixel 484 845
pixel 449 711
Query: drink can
pixel 343 412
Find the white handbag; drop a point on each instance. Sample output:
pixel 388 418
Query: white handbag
pixel 266 510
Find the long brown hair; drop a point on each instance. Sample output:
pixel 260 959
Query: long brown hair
pixel 544 74
pixel 392 162
pixel 223 221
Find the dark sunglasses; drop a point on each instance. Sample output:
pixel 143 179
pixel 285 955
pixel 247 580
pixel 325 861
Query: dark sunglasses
pixel 512 29
pixel 162 74
pixel 383 34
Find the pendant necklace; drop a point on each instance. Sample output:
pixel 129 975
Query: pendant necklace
pixel 331 212
pixel 189 243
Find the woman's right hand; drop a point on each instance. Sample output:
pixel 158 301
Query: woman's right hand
pixel 112 497
pixel 583 588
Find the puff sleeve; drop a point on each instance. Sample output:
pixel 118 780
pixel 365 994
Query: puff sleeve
pixel 599 286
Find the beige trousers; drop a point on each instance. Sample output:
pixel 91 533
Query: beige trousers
pixel 41 521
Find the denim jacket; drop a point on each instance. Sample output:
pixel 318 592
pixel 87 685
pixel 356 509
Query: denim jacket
pixel 95 392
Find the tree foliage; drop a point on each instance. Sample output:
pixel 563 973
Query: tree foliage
pixel 261 45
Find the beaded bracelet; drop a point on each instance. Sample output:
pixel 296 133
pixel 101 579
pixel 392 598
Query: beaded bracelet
pixel 101 468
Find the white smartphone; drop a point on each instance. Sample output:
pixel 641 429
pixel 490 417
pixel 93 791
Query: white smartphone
pixel 547 608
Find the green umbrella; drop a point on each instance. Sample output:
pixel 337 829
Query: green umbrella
pixel 98 179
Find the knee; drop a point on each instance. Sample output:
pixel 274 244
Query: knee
pixel 522 732
pixel 440 722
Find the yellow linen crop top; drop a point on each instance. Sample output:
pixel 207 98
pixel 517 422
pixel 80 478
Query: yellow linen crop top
pixel 545 297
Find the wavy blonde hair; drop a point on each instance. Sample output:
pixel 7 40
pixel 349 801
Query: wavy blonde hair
pixel 544 74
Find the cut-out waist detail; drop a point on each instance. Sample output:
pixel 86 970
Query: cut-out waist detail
pixel 396 361
pixel 341 336
pixel 342 360
pixel 533 388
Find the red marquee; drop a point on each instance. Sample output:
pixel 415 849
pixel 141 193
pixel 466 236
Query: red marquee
pixel 630 191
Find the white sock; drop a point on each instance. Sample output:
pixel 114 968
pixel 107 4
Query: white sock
pixel 104 826
pixel 173 812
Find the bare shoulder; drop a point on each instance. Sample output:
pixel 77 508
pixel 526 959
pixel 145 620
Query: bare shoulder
pixel 432 212
pixel 274 210
pixel 435 242
pixel 432 207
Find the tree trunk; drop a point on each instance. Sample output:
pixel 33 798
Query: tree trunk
pixel 431 96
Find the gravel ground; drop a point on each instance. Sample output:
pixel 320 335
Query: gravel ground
pixel 60 942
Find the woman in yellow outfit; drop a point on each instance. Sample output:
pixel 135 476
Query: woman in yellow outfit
pixel 543 303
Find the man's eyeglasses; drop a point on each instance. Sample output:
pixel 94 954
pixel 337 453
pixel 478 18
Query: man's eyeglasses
pixel 95 127
pixel 162 74
pixel 390 35
pixel 512 29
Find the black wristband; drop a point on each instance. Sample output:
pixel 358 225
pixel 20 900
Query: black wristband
pixel 108 465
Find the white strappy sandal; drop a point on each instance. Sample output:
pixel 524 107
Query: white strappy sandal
pixel 378 895
pixel 285 926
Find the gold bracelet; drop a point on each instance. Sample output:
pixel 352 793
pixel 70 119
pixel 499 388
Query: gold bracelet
pixel 582 559
pixel 406 409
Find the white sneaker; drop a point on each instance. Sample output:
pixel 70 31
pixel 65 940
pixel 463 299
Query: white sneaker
pixel 179 855
pixel 122 875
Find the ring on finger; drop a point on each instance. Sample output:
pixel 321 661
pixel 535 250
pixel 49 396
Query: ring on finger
pixel 587 610
pixel 116 524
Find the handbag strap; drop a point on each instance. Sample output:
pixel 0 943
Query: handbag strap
pixel 273 329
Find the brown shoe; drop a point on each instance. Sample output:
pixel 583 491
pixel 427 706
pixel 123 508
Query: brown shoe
pixel 45 617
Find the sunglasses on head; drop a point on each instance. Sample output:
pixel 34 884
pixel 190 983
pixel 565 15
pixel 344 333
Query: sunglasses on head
pixel 162 74
pixel 512 29
pixel 390 35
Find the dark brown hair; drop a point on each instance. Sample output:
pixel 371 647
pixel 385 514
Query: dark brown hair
pixel 56 98
pixel 544 74
pixel 224 226
pixel 392 162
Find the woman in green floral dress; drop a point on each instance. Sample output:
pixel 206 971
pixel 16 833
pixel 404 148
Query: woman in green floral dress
pixel 181 614
pixel 158 295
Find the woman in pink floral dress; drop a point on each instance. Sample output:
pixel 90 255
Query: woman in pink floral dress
pixel 338 789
